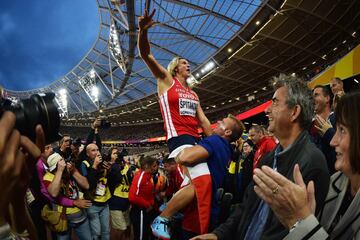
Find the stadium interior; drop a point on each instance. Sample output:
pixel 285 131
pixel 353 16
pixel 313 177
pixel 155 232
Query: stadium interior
pixel 233 47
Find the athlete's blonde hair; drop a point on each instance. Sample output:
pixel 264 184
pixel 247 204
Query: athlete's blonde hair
pixel 173 64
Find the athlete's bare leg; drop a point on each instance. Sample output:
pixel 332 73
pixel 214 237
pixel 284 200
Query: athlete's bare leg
pixel 181 199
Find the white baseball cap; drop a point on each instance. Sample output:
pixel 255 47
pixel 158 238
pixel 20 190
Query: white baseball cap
pixel 52 161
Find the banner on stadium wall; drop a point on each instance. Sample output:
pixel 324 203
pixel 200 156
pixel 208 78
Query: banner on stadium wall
pixel 156 139
pixel 241 116
pixel 252 112
pixel 344 68
pixel 113 142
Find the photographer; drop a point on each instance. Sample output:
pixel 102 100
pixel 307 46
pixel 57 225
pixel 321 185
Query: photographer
pixel 28 120
pixel 119 203
pixel 63 179
pixel 17 160
pixel 96 171
pixel 93 134
pixel 64 146
pixel 76 146
pixel 37 195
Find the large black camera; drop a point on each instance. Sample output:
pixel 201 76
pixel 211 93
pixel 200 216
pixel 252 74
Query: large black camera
pixel 105 124
pixel 38 109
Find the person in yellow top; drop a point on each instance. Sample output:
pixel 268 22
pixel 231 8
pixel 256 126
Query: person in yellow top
pixel 97 171
pixel 119 202
pixel 63 179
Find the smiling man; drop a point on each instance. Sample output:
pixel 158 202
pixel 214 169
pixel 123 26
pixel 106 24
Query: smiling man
pixel 323 127
pixel 290 116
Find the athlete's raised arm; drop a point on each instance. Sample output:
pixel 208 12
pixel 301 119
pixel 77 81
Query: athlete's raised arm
pixel 164 78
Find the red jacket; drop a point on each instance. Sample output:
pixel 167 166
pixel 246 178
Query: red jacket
pixel 141 193
pixel 265 145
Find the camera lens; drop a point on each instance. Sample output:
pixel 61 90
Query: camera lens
pixel 105 124
pixel 38 109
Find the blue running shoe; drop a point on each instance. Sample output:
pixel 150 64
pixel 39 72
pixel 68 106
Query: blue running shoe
pixel 160 228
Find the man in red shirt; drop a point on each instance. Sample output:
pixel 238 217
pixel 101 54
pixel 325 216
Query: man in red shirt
pixel 142 199
pixel 174 175
pixel 263 143
pixel 175 178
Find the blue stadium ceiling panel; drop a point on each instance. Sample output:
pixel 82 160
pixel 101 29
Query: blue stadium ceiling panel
pixel 112 74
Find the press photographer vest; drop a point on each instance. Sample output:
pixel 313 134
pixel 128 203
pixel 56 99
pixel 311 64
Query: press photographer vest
pixel 49 177
pixel 122 190
pixel 102 191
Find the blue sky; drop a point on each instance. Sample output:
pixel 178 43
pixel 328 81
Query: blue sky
pixel 41 40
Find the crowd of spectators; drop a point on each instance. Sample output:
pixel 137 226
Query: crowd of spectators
pixel 120 133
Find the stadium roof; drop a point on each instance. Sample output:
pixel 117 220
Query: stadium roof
pixel 234 48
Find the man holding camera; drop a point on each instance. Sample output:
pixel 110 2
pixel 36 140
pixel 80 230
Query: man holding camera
pixel 19 130
pixel 96 171
pixel 63 179
pixel 18 156
pixel 64 147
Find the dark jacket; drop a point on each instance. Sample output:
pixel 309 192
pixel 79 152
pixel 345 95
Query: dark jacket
pixel 313 167
pixel 65 155
pixel 90 139
pixel 236 182
pixel 323 142
pixel 94 177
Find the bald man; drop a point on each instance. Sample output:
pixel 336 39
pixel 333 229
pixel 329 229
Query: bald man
pixel 96 171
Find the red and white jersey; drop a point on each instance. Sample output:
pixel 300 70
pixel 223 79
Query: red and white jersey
pixel 178 107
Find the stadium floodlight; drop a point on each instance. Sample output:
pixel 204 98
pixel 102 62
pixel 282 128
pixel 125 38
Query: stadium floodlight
pixel 209 66
pixel 62 92
pixel 92 73
pixel 191 81
pixel 61 100
pixel 95 93
pixel 205 70
pixel 88 83
pixel 115 47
